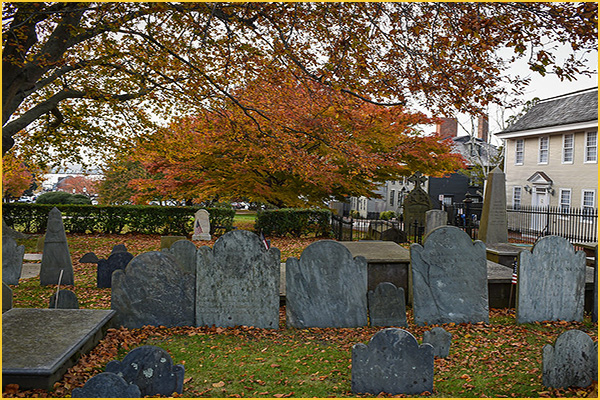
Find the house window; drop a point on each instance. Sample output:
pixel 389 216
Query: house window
pixel 588 205
pixel 519 151
pixel 392 197
pixel 567 155
pixel 543 150
pixel 565 200
pixel 591 147
pixel 516 197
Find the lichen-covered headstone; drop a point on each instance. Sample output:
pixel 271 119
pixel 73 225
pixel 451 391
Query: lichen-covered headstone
pixel 153 290
pixel 66 300
pixel 237 282
pixel 449 278
pixel 387 306
pixel 201 225
pixel 493 227
pixel 440 339
pixel 326 287
pixel 151 369
pixel 184 252
pixel 56 256
pixel 572 361
pixel 7 297
pixel 12 260
pixel 551 282
pixel 115 261
pixel 393 362
pixel 107 385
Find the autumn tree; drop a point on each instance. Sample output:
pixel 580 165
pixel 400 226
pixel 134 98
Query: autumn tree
pixel 315 143
pixel 16 177
pixel 79 75
pixel 117 174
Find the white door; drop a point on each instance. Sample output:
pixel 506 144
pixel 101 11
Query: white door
pixel 539 200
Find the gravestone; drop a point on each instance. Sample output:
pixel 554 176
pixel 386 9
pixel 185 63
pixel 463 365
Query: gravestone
pixel 387 306
pixel 106 385
pixel 12 260
pixel 56 257
pixel 440 339
pixel 237 282
pixel 572 361
pixel 392 362
pixel 449 278
pixel 118 248
pixel 184 252
pixel 435 218
pixel 201 225
pixel 153 290
pixel 89 258
pixel 416 204
pixel 7 298
pixel 67 300
pixel 106 267
pixel 493 227
pixel 551 282
pixel 151 369
pixel 387 231
pixel 326 287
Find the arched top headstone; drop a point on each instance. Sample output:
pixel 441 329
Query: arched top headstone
pixel 107 385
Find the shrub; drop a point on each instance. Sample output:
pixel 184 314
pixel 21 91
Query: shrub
pixel 294 222
pixel 62 198
pixel 387 215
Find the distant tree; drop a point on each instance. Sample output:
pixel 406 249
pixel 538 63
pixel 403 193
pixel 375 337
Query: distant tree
pixel 16 177
pixel 114 188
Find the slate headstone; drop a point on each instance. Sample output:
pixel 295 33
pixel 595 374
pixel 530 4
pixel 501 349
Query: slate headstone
pixel 106 385
pixel 56 256
pixel 118 248
pixel 67 300
pixel 201 225
pixel 106 267
pixel 387 305
pixel 434 219
pixel 89 258
pixel 12 260
pixel 392 362
pixel 551 282
pixel 493 227
pixel 449 278
pixel 440 339
pixel 326 287
pixel 237 282
pixel 7 297
pixel 184 252
pixel 151 369
pixel 572 361
pixel 153 290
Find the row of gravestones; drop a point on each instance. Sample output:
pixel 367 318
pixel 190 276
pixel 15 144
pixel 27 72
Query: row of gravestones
pixel 393 362
pixel 237 283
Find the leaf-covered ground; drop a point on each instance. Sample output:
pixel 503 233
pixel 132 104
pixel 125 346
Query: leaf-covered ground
pixel 499 359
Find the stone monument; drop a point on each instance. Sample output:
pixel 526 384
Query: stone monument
pixel 493 227
pixel 56 256
pixel 416 204
pixel 201 225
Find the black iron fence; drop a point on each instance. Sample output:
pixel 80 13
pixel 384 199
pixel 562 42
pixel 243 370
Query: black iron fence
pixel 348 228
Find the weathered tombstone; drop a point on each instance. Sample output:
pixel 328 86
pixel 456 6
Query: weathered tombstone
pixel 416 203
pixel 237 282
pixel 67 300
pixel 384 230
pixel 440 339
pixel 184 252
pixel 493 227
pixel 106 267
pixel 392 362
pixel 12 260
pixel 551 282
pixel 167 241
pixel 387 306
pixel 572 361
pixel 151 369
pixel 449 278
pixel 89 258
pixel 7 298
pixel 56 256
pixel 153 290
pixel 118 248
pixel 435 218
pixel 107 385
pixel 8 231
pixel 326 287
pixel 201 225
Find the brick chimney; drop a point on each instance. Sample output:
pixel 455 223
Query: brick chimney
pixel 447 128
pixel 483 128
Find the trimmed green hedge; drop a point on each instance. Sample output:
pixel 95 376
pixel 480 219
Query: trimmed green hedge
pixel 33 218
pixel 294 222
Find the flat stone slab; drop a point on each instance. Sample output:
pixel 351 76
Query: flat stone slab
pixel 379 251
pixel 30 270
pixel 32 257
pixel 39 345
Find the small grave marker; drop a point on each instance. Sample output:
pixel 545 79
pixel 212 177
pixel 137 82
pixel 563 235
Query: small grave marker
pixel 116 261
pixel 201 225
pixel 572 361
pixel 440 339
pixel 387 306
pixel 106 385
pixel 67 300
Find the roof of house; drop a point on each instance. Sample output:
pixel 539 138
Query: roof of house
pixel 564 110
